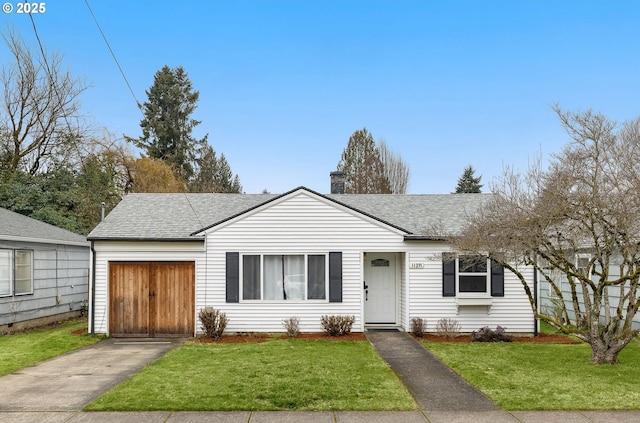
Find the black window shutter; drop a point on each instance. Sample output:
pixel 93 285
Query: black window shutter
pixel 335 277
pixel 448 275
pixel 233 277
pixel 497 280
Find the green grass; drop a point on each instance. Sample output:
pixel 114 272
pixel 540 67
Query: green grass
pixel 523 376
pixel 274 375
pixel 25 349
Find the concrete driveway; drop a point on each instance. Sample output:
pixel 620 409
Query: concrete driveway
pixel 71 381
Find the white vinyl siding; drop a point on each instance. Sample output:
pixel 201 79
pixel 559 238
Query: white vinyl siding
pixel 426 300
pixel 301 224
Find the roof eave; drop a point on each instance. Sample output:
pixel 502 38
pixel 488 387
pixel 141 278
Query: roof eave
pixel 417 237
pixel 43 240
pixel 145 239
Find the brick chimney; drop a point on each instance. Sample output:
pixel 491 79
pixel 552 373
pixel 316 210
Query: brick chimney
pixel 337 182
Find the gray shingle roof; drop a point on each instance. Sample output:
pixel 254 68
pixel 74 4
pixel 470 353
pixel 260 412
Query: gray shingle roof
pixel 183 216
pixel 14 226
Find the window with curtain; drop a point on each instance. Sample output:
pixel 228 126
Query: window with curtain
pixel 284 277
pixel 16 272
pixel 5 272
pixel 23 272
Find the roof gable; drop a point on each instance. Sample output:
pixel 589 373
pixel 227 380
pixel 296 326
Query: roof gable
pixel 297 191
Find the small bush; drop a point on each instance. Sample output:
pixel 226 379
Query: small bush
pixel 213 321
pixel 418 325
pixel 336 325
pixel 487 335
pixel 449 328
pixel 292 326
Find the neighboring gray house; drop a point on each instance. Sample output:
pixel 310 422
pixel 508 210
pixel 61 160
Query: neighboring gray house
pixel 549 301
pixel 158 259
pixel 44 272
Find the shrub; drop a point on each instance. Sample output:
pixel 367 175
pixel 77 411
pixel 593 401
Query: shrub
pixel 213 321
pixel 291 325
pixel 418 325
pixel 336 325
pixel 487 335
pixel 449 328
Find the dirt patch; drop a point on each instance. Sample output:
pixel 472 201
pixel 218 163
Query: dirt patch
pixel 82 331
pixel 262 337
pixel 542 338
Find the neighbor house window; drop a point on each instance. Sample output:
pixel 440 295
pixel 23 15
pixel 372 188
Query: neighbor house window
pixel 284 277
pixel 16 272
pixel 582 264
pixel 23 277
pixel 5 273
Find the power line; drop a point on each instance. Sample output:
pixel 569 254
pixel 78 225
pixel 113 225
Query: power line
pixel 113 55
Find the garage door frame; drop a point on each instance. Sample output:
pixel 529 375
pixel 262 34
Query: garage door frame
pixel 151 298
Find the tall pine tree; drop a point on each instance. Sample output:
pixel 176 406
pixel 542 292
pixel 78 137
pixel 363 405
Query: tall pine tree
pixel 167 125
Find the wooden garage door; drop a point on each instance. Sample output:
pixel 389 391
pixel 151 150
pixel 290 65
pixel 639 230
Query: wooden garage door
pixel 151 298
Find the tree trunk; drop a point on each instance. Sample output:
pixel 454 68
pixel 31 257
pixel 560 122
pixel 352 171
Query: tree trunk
pixel 603 352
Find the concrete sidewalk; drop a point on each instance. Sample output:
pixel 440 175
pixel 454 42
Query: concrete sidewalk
pixel 322 417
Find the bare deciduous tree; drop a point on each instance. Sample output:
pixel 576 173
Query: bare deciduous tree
pixel 395 168
pixel 39 116
pixel 577 223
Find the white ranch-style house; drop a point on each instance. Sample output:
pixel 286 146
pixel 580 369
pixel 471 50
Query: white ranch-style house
pixel 158 259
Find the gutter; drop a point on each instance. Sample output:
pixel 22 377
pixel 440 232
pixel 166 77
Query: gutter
pixel 92 313
pixel 133 239
pixel 535 301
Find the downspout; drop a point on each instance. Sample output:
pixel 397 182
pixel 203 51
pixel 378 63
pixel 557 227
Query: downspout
pixel 535 301
pixel 92 313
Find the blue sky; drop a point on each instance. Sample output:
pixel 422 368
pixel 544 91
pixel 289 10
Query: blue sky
pixel 283 84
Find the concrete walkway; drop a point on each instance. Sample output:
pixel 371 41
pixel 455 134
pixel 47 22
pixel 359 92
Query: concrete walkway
pixel 56 390
pixel 434 386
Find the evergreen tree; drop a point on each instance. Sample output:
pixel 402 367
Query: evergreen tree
pixel 468 183
pixel 214 174
pixel 167 125
pixel 362 166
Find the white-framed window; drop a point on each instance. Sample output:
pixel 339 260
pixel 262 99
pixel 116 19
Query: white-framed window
pixel 284 277
pixel 473 274
pixel 16 272
pixel 5 273
pixel 23 272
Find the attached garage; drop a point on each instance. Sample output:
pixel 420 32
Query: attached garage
pixel 151 299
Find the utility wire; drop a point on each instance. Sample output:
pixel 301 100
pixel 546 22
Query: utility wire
pixel 54 85
pixel 113 55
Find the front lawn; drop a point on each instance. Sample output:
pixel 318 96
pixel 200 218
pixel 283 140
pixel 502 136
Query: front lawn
pixel 25 349
pixel 524 376
pixel 274 375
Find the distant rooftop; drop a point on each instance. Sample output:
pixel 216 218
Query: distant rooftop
pixel 14 226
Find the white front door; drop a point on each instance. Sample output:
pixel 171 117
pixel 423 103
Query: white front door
pixel 380 288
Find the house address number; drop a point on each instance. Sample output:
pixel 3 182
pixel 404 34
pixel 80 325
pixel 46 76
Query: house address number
pixel 417 266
